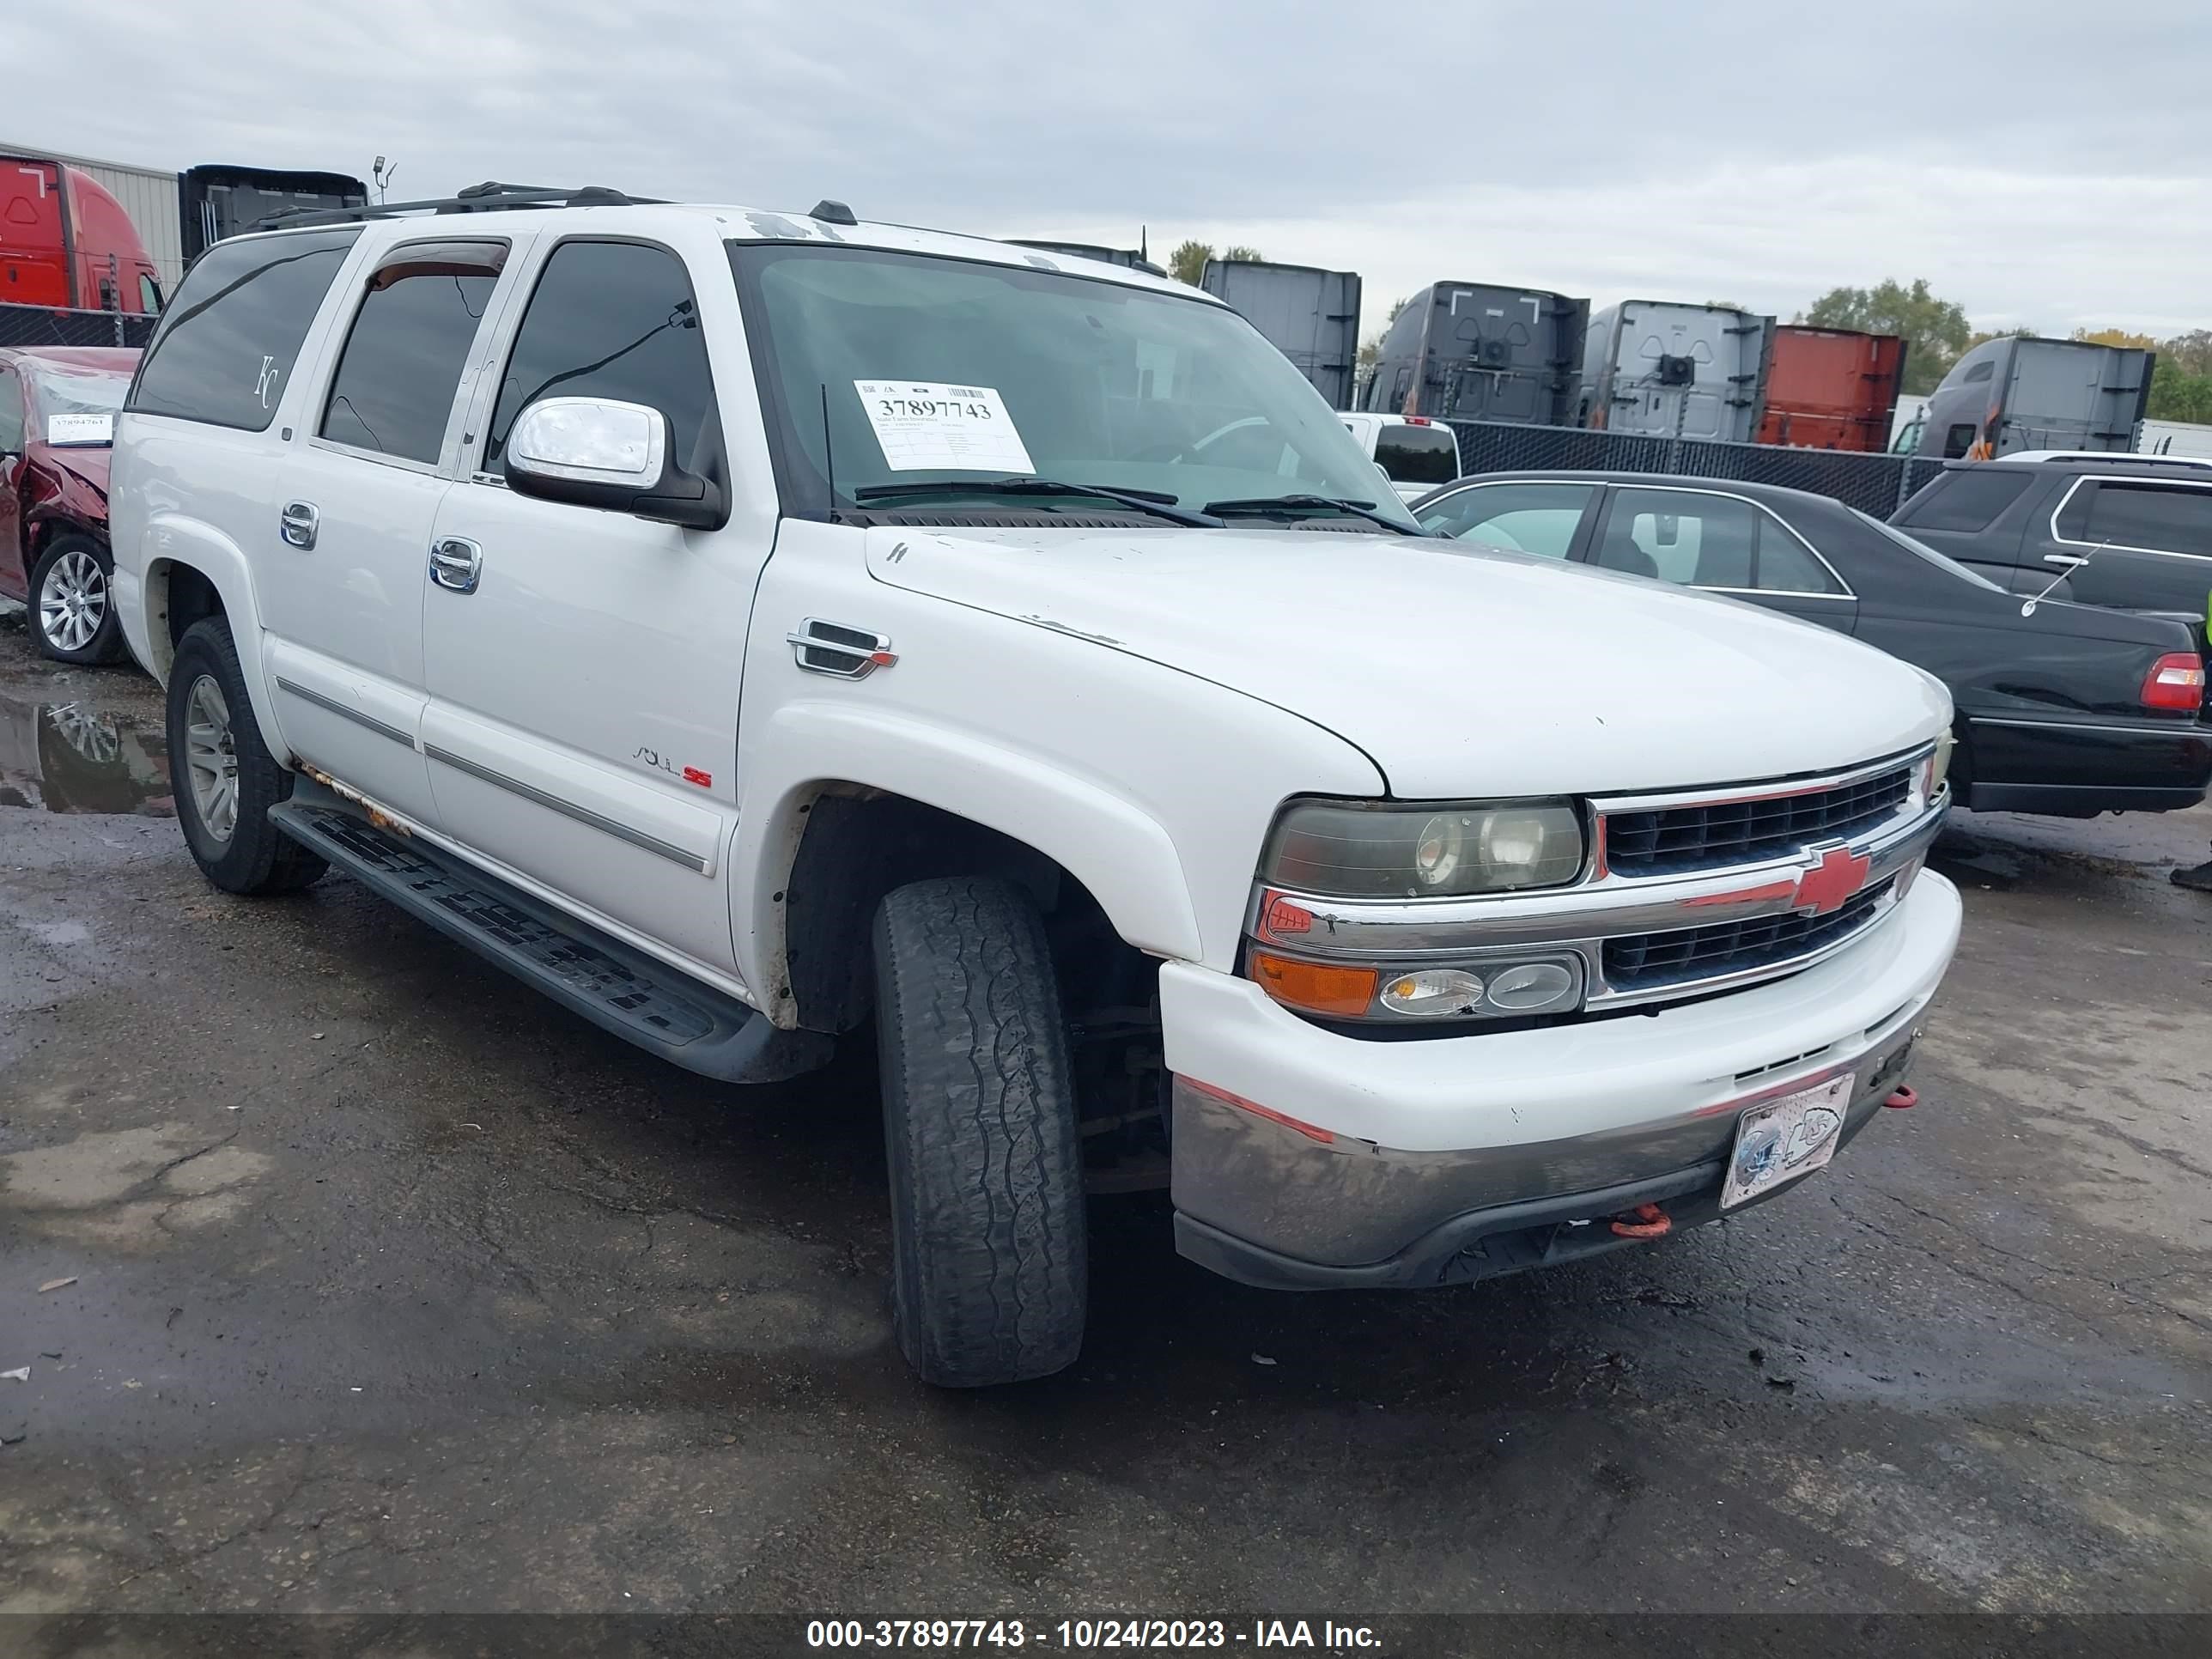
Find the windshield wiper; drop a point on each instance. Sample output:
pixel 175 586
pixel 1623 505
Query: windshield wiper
pixel 1294 504
pixel 1138 501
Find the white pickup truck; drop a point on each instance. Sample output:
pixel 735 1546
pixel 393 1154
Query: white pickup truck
pixel 1415 454
pixel 747 626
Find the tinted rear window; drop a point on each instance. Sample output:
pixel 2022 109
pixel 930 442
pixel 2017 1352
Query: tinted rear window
pixel 1417 454
pixel 2140 515
pixel 226 347
pixel 1969 499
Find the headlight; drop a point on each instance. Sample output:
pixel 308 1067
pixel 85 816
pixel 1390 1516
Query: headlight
pixel 1360 849
pixel 1486 986
pixel 1500 984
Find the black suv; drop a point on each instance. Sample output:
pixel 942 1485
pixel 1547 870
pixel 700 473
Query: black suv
pixel 2133 532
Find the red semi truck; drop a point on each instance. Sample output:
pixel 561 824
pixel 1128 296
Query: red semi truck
pixel 64 242
pixel 1831 388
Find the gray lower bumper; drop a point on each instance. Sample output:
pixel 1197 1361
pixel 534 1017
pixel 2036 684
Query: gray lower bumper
pixel 1264 1203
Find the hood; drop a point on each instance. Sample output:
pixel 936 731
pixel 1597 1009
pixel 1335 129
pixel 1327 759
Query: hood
pixel 1460 673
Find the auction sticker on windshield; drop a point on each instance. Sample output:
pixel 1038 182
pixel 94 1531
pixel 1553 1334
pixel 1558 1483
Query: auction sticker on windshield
pixel 931 426
pixel 95 428
pixel 1791 1135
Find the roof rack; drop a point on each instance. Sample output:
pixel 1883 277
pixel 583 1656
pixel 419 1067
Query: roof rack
pixel 490 197
pixel 2107 457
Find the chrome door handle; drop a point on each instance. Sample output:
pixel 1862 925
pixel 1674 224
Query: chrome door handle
pixel 297 524
pixel 2066 559
pixel 456 563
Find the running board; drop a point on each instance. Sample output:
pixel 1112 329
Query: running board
pixel 618 988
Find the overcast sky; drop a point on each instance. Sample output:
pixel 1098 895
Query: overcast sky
pixel 2044 164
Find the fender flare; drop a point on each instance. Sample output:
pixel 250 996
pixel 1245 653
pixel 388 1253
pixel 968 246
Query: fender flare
pixel 1119 852
pixel 171 540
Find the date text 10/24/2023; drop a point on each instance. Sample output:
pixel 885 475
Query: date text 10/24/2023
pixel 1321 1636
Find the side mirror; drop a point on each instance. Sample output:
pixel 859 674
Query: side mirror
pixel 591 452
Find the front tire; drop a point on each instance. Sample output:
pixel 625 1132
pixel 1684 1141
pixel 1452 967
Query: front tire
pixel 223 776
pixel 988 1273
pixel 73 602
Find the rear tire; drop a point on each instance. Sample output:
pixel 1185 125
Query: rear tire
pixel 72 606
pixel 223 777
pixel 988 1273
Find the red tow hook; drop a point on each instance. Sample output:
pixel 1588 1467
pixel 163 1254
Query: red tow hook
pixel 1651 1222
pixel 1905 1099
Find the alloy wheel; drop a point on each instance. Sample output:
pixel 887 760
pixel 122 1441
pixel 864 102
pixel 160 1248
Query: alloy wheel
pixel 211 757
pixel 73 600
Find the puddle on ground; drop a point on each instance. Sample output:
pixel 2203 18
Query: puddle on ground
pixel 73 757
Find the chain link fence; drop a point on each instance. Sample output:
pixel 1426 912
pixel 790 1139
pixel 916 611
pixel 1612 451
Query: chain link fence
pixel 1874 483
pixel 52 325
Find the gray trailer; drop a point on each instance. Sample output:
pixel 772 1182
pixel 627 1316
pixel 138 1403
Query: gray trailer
pixel 1310 316
pixel 2012 394
pixel 1472 352
pixel 1676 371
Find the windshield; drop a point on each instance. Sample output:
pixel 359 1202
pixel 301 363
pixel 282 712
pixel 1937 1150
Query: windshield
pixel 1941 562
pixel 68 389
pixel 943 369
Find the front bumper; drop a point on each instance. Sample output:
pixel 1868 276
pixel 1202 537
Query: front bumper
pixel 1428 1160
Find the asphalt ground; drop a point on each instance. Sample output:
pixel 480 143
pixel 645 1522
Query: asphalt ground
pixel 391 1291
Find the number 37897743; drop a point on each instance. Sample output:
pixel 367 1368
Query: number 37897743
pixel 895 409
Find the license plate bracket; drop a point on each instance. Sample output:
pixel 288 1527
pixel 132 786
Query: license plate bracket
pixel 1786 1137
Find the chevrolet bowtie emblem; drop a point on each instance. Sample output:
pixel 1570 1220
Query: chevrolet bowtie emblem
pixel 1840 874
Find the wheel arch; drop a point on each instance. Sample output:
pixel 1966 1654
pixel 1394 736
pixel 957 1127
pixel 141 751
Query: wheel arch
pixel 818 849
pixel 42 529
pixel 191 574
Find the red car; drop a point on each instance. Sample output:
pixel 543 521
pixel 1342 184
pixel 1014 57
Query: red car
pixel 57 408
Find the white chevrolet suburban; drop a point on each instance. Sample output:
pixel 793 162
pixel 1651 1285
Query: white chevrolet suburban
pixel 744 627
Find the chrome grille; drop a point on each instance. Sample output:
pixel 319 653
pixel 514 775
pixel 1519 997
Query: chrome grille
pixel 1643 962
pixel 1681 840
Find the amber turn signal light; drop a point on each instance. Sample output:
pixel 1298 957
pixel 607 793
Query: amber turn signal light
pixel 1346 992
